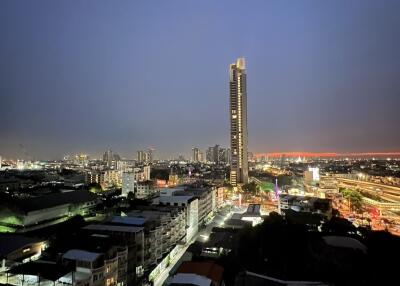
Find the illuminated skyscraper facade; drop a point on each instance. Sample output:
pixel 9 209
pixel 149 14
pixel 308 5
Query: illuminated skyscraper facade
pixel 238 118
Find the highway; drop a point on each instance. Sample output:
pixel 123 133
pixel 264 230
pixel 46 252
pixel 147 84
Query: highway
pixel 387 193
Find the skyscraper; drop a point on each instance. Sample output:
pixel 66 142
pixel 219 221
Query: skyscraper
pixel 108 158
pixel 140 156
pixel 195 154
pixel 238 119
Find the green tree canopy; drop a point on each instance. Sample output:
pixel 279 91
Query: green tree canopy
pixel 250 188
pixel 355 199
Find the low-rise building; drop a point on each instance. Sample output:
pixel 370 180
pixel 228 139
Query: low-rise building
pixel 305 204
pixel 191 205
pixel 129 237
pixel 34 213
pixel 93 268
pixel 16 249
pixel 144 190
pixel 164 228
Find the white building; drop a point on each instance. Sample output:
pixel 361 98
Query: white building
pixel 192 211
pixel 128 183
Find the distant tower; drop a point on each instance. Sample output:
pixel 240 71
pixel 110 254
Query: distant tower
pixel 108 157
pixel 195 154
pixel 238 119
pixel 140 156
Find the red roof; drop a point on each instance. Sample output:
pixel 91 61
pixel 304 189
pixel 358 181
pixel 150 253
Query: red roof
pixel 208 269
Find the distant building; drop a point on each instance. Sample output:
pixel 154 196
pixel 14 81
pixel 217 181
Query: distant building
pixel 108 158
pixel 81 159
pixel 173 180
pixel 195 154
pixel 140 157
pixel 311 176
pixel 94 177
pixel 238 119
pixel 145 157
pixel 125 165
pixel 215 154
pixel 201 157
pixel 210 154
pixel 144 190
pixel 112 178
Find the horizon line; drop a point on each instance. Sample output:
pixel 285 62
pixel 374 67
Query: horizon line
pixel 327 154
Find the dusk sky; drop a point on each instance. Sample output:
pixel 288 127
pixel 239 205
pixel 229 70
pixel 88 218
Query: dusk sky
pixel 84 76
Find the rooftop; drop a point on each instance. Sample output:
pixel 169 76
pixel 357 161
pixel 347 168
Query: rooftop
pixel 57 199
pixel 207 269
pixel 47 270
pixel 117 228
pixel 127 220
pixel 12 242
pixel 81 255
pixel 189 279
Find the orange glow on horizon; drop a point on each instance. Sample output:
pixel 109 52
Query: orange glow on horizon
pixel 326 154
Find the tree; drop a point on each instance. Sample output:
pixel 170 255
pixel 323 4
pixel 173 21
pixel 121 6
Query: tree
pixel 355 199
pixel 250 188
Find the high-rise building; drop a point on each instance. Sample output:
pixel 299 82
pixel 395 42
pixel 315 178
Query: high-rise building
pixel 238 119
pixel 149 156
pixel 195 154
pixel 140 156
pixel 216 154
pixel 108 157
pixel 201 157
pixel 209 154
pixel 213 154
pixel 145 157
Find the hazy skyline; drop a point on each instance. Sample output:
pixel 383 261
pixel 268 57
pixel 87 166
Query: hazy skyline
pixel 84 76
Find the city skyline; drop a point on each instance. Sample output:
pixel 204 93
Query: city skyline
pixel 84 77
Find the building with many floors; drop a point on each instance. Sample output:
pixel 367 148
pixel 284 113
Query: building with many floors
pixel 238 120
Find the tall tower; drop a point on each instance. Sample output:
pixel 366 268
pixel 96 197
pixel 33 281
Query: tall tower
pixel 238 118
pixel 195 154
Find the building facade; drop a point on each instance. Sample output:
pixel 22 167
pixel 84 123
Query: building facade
pixel 238 119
